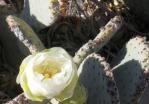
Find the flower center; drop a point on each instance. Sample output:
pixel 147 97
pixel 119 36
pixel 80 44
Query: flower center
pixel 48 71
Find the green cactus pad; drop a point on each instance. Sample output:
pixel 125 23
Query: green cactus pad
pixel 130 69
pixel 100 40
pixel 79 96
pixel 39 13
pixel 25 34
pixel 96 76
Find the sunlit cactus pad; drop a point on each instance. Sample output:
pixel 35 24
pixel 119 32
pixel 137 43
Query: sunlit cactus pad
pixel 39 13
pixel 96 76
pixel 100 40
pixel 130 69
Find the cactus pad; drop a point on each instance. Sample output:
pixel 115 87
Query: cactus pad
pixel 100 40
pixel 39 13
pixel 25 34
pixel 96 76
pixel 130 69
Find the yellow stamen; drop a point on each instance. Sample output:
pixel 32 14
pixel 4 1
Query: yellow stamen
pixel 46 76
pixel 47 70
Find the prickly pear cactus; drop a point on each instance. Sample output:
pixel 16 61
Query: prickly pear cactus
pixel 96 76
pixel 130 69
pixel 39 13
pixel 25 34
pixel 100 40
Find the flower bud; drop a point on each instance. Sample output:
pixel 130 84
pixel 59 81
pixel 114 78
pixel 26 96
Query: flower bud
pixel 48 74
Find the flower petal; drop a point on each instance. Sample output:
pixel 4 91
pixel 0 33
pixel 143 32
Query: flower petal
pixel 23 67
pixel 71 84
pixel 22 79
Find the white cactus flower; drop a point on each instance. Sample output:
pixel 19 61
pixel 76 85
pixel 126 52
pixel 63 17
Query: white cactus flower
pixel 48 74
